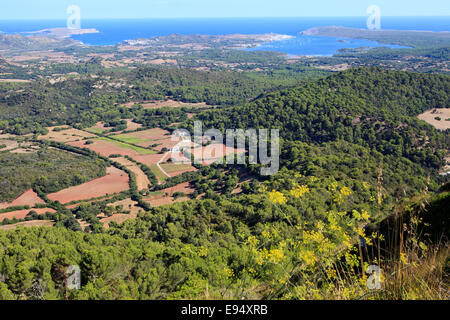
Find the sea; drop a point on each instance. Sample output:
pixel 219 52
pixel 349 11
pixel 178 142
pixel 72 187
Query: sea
pixel 113 32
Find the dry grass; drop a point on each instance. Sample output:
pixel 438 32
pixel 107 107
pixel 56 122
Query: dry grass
pixel 431 115
pixel 424 277
pixel 34 223
pixel 67 135
pixel 141 178
pixel 176 169
pixel 10 144
pixel 168 103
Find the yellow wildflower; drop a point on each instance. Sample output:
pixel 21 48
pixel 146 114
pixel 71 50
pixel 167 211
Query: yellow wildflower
pixel 403 258
pixel 333 186
pixel 347 241
pixel 203 252
pixel 365 215
pixel 252 241
pixel 331 273
pixel 229 272
pixel 262 189
pixel 275 255
pixel 346 191
pixel 266 234
pixel 251 270
pixel 320 225
pixel 277 197
pixel 299 191
pixel 309 257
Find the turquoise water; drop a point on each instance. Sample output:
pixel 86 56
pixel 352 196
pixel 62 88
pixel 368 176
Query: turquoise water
pixel 116 31
pixel 318 46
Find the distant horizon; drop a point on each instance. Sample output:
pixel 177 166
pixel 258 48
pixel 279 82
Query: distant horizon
pixel 190 18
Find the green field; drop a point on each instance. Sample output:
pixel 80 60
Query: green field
pixel 96 130
pixel 161 176
pixel 130 139
pixel 170 167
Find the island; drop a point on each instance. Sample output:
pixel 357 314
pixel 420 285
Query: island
pixel 62 33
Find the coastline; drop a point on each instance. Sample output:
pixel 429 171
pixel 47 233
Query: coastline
pixel 61 33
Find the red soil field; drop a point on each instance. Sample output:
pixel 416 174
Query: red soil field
pixel 115 181
pixel 21 214
pixel 104 148
pixel 72 206
pixel 177 173
pixel 29 198
pixel 165 143
pixel 162 199
pixel 150 134
pixel 182 187
pixel 128 205
pixel 148 159
pixel 151 137
pixel 213 152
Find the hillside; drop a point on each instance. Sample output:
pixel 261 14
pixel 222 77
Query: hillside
pixel 353 154
pixel 416 39
pixel 371 107
pixel 13 43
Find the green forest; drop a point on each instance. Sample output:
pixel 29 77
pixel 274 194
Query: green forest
pixel 353 156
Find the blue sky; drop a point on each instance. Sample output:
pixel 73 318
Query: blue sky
pixel 104 9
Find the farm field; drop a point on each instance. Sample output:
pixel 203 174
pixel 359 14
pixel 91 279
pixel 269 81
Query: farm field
pixel 438 118
pixel 148 159
pixel 213 152
pixel 133 125
pixel 160 175
pixel 176 169
pixel 128 205
pixel 168 103
pixel 107 147
pixel 21 214
pixel 141 178
pixel 148 138
pixel 8 144
pixel 165 196
pixel 72 206
pixel 15 146
pixel 29 198
pixel 100 127
pixel 25 148
pixel 67 135
pixel 115 181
